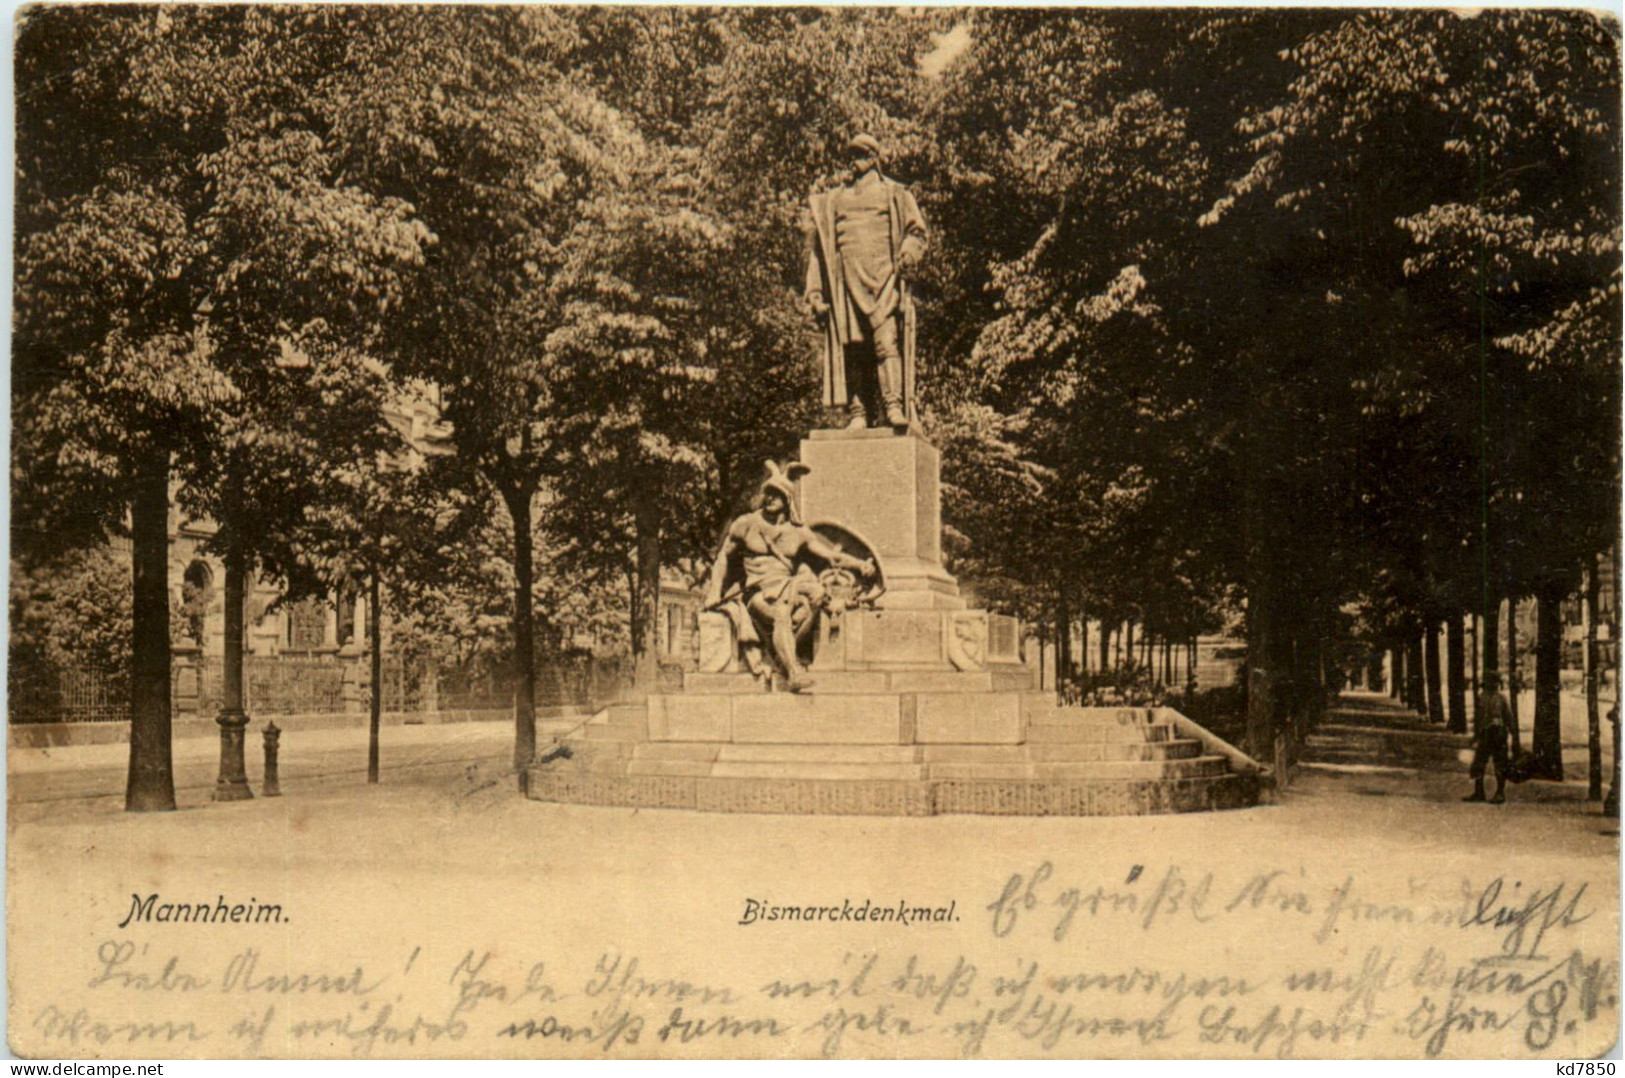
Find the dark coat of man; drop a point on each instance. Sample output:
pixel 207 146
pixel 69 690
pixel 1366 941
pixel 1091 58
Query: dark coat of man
pixel 851 295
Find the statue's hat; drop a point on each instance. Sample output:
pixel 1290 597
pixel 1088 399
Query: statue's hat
pixel 783 481
pixel 865 144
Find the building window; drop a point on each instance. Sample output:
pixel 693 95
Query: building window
pixel 197 591
pixel 346 612
pixel 307 625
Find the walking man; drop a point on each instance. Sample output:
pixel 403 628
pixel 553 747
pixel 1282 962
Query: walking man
pixel 1491 744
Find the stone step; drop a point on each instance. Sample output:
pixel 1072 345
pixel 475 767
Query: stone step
pixel 958 680
pixel 1053 715
pixel 962 754
pixel 806 718
pixel 1101 770
pixel 606 732
pixel 1083 797
pixel 698 769
pixel 1420 733
pixel 601 765
pixel 695 681
pixel 845 682
pixel 629 715
pixel 1019 795
pixel 678 750
pixel 830 754
pixel 1100 731
pixel 1064 751
pixel 1059 751
pixel 811 770
pixel 1040 706
pixel 829 682
pixel 595 757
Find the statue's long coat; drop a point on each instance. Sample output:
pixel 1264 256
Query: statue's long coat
pixel 825 276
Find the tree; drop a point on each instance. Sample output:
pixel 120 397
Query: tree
pixel 1258 267
pixel 477 120
pixel 377 517
pixel 677 298
pixel 630 359
pixel 68 612
pixel 1058 114
pixel 174 186
pixel 1442 205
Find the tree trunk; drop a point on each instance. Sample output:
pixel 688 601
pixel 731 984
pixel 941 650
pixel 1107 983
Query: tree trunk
pixel 1063 640
pixel 1415 695
pixel 375 635
pixel 1593 718
pixel 1547 742
pixel 1430 642
pixel 1083 644
pixel 1313 699
pixel 634 616
pixel 524 634
pixel 1261 674
pixel 1512 673
pixel 1610 805
pixel 1128 646
pixel 1308 681
pixel 1456 664
pixel 1105 647
pixel 646 641
pixel 151 782
pixel 1396 671
pixel 232 782
pixel 1472 663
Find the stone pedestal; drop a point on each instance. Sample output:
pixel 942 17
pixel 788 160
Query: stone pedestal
pixel 918 707
pixel 885 487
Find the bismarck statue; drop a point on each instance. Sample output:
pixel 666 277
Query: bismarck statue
pixel 865 238
pixel 774 577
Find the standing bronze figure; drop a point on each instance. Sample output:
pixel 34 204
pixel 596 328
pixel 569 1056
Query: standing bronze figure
pixel 866 237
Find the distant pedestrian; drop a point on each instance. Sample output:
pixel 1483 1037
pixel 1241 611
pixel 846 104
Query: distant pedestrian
pixel 1492 716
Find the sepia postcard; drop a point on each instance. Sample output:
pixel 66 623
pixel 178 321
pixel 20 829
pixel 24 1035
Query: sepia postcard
pixel 798 533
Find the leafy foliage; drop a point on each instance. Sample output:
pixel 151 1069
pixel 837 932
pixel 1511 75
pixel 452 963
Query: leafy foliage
pixel 1262 309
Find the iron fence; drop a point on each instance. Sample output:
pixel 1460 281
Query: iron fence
pixel 282 686
pixel 293 686
pixel 37 694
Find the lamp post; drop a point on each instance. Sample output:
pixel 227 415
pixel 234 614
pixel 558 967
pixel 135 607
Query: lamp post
pixel 232 785
pixel 376 638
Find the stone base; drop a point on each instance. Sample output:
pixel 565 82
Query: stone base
pixel 914 584
pixel 879 749
pixel 885 486
pixel 886 798
pixel 844 682
pixel 901 640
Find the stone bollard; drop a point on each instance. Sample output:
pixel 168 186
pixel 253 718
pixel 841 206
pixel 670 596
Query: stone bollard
pixel 270 787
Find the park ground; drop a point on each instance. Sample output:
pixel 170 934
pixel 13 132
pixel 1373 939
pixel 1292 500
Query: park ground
pixel 63 782
pixel 446 860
